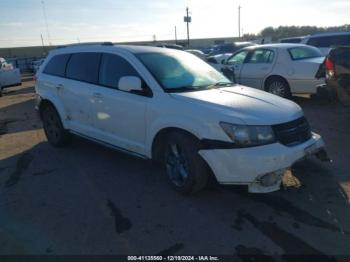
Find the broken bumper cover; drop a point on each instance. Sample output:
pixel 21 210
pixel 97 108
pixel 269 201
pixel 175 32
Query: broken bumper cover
pixel 248 166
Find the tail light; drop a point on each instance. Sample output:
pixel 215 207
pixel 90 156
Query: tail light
pixel 329 68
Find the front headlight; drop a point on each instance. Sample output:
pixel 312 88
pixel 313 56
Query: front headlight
pixel 245 136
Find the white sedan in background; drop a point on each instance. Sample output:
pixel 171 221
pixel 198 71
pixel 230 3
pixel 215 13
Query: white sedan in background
pixel 197 53
pixel 281 69
pixel 217 61
pixel 9 76
pixel 36 64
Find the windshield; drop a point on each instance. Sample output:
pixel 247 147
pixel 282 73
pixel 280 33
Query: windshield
pixel 299 53
pixel 181 71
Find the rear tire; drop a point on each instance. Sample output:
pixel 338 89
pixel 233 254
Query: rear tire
pixel 186 170
pixel 278 86
pixel 54 130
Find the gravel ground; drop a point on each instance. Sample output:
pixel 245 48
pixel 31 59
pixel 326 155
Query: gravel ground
pixel 87 199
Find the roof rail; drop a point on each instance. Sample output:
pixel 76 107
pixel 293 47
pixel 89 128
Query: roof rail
pixel 87 43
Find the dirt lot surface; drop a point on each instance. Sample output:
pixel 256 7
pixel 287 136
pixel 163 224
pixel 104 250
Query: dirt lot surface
pixel 87 199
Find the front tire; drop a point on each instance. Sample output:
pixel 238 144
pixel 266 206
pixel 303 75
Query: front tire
pixel 186 170
pixel 54 130
pixel 278 86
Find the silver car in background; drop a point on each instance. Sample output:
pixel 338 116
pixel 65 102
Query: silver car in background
pixel 281 69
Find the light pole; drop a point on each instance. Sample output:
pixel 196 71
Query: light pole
pixel 239 21
pixel 188 20
pixel 175 36
pixel 42 42
pixel 46 24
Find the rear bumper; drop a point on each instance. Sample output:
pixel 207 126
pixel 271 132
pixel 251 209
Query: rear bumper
pixel 247 166
pixel 306 86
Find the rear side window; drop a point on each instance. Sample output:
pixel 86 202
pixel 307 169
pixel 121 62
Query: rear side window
pixel 299 53
pixel 112 68
pixel 329 41
pixel 57 65
pixel 84 67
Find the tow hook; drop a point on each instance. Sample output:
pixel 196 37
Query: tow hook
pixel 323 156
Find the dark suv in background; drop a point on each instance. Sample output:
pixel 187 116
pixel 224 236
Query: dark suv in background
pixel 228 48
pixel 323 41
pixel 336 70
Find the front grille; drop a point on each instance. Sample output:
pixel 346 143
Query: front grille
pixel 293 133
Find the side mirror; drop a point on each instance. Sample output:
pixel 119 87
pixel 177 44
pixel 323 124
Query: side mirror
pixel 223 61
pixel 130 84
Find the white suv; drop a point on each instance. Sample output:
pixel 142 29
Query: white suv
pixel 170 106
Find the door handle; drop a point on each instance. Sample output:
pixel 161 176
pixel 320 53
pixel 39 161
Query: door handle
pixel 59 87
pixel 98 95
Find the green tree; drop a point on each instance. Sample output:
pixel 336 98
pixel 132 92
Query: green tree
pixel 291 31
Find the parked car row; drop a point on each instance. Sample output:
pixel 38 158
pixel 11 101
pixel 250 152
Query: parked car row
pixel 290 70
pixel 228 48
pixel 172 107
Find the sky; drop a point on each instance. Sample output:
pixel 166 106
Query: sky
pixel 22 22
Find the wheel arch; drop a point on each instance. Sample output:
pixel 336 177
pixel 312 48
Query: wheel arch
pixel 47 101
pixel 159 139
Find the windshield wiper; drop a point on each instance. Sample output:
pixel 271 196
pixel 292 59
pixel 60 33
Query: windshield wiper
pixel 222 84
pixel 197 88
pixel 180 89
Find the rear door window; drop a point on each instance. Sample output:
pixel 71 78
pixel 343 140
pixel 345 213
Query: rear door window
pixel 112 68
pixel 57 65
pixel 329 41
pixel 84 67
pixel 259 56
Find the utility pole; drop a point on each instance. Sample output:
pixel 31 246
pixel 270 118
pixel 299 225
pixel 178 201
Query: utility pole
pixel 175 36
pixel 46 24
pixel 188 20
pixel 42 42
pixel 239 21
pixel 234 34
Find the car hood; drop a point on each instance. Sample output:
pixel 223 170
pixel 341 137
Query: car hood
pixel 251 106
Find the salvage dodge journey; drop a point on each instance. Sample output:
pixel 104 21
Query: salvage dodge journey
pixel 170 106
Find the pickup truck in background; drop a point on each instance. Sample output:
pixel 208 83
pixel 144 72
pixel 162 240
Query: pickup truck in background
pixel 336 70
pixel 9 76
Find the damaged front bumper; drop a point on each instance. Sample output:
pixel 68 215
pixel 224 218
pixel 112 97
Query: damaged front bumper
pixel 261 168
